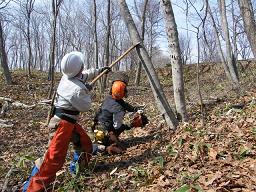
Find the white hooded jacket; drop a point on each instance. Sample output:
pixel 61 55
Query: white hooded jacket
pixel 72 93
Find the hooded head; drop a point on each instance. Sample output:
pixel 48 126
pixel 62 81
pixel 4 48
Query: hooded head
pixel 72 63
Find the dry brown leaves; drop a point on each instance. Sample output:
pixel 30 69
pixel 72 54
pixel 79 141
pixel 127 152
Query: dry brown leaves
pixel 219 156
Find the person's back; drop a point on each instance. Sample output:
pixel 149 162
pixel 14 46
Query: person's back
pixel 109 108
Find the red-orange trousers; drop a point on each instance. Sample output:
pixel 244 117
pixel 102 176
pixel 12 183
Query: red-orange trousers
pixel 56 154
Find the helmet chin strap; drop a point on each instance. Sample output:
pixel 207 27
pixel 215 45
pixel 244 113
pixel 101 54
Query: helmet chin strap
pixel 125 92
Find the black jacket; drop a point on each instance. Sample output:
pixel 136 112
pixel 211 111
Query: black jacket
pixel 110 107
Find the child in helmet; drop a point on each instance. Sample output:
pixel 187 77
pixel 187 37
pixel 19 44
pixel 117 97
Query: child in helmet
pixel 109 118
pixel 71 98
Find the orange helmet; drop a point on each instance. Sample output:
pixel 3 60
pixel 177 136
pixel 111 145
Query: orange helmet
pixel 118 90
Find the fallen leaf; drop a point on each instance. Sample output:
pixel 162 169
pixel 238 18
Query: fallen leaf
pixel 211 190
pixel 213 153
pixel 250 120
pixel 113 171
pixel 163 181
pixel 216 176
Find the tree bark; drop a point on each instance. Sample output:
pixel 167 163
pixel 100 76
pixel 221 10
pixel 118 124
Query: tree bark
pixel 143 20
pixel 202 108
pixel 230 58
pixel 235 33
pixel 176 62
pixel 106 61
pixel 96 46
pixel 247 14
pixel 55 11
pixel 160 98
pixel 216 33
pixel 95 34
pixel 29 10
pixel 3 58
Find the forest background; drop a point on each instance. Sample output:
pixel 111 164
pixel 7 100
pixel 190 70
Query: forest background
pixel 195 61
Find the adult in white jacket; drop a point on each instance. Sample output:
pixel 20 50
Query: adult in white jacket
pixel 72 97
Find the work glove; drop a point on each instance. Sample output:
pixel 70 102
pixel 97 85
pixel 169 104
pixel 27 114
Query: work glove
pixel 139 119
pixel 105 68
pixel 88 86
pixel 140 107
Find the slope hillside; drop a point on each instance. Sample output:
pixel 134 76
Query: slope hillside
pixel 217 156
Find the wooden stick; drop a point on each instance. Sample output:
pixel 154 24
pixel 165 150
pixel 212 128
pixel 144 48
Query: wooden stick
pixel 113 63
pixel 7 177
pixel 50 112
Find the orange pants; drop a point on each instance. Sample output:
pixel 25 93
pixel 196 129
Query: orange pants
pixel 56 154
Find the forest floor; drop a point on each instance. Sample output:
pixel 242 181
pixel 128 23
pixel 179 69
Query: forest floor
pixel 219 155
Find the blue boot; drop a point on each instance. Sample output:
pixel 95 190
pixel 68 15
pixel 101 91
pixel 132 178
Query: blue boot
pixel 26 183
pixel 73 164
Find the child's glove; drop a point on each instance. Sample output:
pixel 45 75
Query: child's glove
pixel 105 68
pixel 139 119
pixel 139 108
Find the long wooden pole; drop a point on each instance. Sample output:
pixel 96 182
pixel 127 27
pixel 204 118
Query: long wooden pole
pixel 114 62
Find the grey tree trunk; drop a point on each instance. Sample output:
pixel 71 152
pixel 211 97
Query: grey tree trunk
pixel 55 11
pixel 216 33
pixel 176 62
pixel 143 19
pixel 96 49
pixel 235 33
pixel 96 46
pixel 230 58
pixel 247 13
pixel 3 58
pixel 106 61
pixel 29 10
pixel 202 108
pixel 160 98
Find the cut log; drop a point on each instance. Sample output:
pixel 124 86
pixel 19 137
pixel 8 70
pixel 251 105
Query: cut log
pixel 16 103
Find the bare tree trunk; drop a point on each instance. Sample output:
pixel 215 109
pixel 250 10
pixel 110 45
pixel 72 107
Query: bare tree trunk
pixel 247 13
pixel 216 33
pixel 96 46
pixel 235 34
pixel 138 74
pixel 230 59
pixel 20 51
pixel 143 19
pixel 107 42
pixel 176 62
pixel 55 11
pixel 29 49
pixel 160 98
pixel 96 49
pixel 3 58
pixel 202 108
pixel 234 40
pixel 29 10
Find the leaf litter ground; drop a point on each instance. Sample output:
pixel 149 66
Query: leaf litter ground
pixel 217 156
